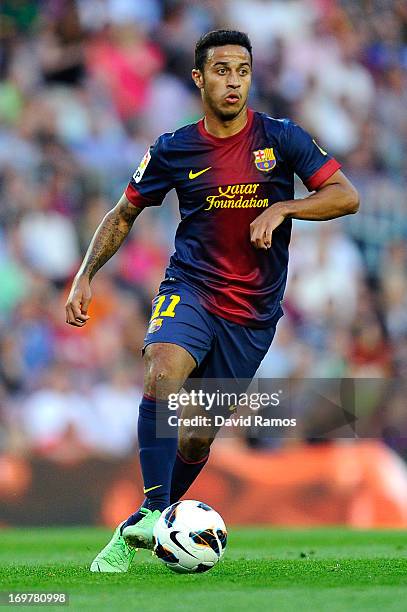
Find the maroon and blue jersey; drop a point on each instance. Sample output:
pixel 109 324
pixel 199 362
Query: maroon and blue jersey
pixel 223 184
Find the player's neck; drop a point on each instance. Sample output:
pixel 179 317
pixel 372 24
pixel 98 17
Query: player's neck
pixel 224 129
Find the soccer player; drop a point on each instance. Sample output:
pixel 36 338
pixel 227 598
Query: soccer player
pixel 216 311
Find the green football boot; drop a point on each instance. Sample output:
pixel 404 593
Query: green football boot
pixel 140 535
pixel 116 556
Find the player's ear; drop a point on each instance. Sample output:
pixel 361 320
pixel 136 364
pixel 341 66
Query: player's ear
pixel 197 78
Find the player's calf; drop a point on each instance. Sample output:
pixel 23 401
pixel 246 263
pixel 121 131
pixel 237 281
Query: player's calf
pixel 192 456
pixel 193 448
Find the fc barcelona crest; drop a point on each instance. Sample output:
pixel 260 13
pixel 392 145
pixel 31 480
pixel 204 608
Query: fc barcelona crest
pixel 154 326
pixel 264 159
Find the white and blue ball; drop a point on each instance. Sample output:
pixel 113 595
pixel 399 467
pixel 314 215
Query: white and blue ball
pixel 190 537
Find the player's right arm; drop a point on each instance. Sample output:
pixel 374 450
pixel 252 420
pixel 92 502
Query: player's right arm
pixel 148 186
pixel 107 239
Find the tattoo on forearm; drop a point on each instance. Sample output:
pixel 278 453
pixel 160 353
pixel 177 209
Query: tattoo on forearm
pixel 108 237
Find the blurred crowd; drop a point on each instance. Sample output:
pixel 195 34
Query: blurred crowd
pixel 85 87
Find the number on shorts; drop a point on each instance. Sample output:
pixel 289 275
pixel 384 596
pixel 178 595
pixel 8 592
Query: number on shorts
pixel 169 311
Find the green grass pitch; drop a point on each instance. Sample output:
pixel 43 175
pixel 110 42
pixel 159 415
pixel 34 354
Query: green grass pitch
pixel 329 570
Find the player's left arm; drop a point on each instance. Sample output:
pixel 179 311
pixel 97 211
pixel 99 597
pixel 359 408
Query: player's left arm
pixel 334 198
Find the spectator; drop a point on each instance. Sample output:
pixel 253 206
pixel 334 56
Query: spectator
pixel 85 87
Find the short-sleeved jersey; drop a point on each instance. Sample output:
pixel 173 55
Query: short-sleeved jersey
pixel 223 184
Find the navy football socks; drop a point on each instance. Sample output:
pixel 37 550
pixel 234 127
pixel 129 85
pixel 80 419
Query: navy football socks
pixel 167 475
pixel 157 456
pixel 183 475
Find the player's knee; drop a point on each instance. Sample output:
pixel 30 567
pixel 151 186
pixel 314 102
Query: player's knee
pixel 193 448
pixel 165 369
pixel 157 378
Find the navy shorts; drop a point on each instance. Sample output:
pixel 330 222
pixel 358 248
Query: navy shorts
pixel 221 348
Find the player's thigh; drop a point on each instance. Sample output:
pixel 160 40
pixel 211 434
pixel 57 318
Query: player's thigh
pixel 227 368
pixel 178 338
pixel 234 359
pixel 237 351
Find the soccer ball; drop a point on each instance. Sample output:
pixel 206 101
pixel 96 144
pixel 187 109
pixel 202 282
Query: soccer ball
pixel 189 537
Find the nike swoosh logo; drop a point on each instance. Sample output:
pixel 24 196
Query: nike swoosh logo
pixel 152 488
pixel 193 175
pixel 173 536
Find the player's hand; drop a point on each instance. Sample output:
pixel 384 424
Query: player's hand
pixel 76 307
pixel 262 228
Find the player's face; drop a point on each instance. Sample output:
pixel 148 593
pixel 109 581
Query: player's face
pixel 225 81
